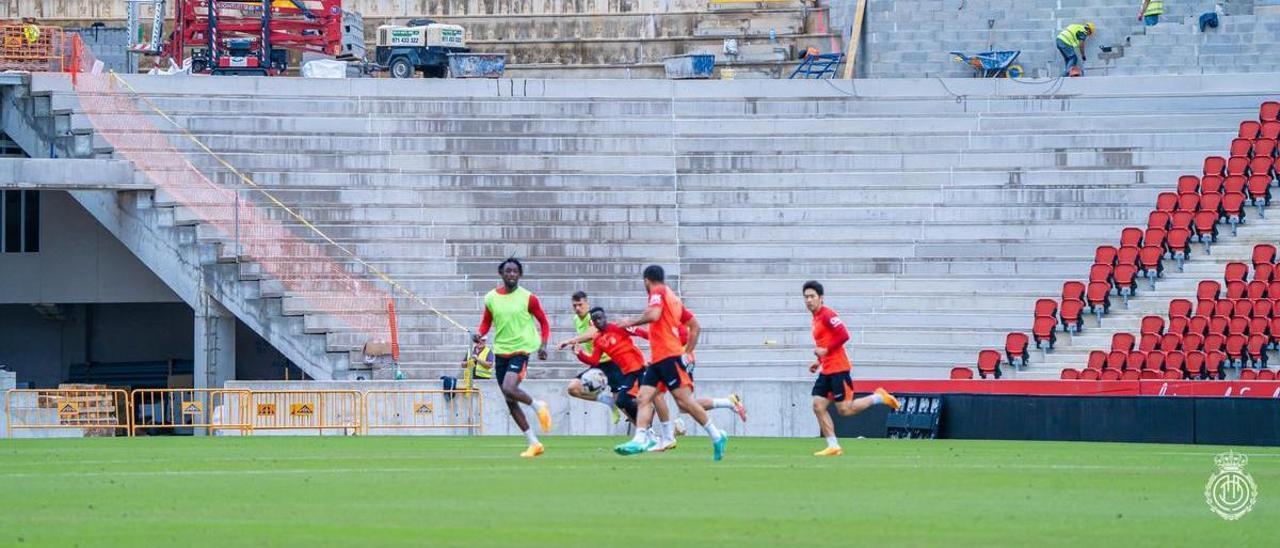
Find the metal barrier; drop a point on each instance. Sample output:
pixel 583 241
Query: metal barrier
pixel 92 411
pixel 403 411
pixel 318 410
pixel 33 48
pixel 183 408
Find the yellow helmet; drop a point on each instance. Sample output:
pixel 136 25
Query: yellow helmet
pixel 1089 28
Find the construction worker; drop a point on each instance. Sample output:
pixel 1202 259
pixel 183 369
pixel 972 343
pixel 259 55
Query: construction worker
pixel 1071 44
pixel 478 363
pixel 1150 12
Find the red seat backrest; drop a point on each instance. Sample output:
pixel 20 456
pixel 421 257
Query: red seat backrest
pixel 1242 308
pixel 1125 273
pixel 1208 289
pixel 1155 360
pixel 1233 183
pixel 1214 165
pixel 1239 147
pixel 988 360
pixel 1097 359
pixel 1210 202
pixel 1263 308
pixel 1189 202
pixel 1194 363
pixel 1213 361
pixel 1046 307
pixel 1116 359
pixel 1264 147
pixel 1131 236
pixel 1128 255
pixel 1100 273
pixel 1264 272
pixel 1236 289
pixel 1122 341
pixel 1016 343
pixel 1170 342
pixel 1069 374
pixel 1236 272
pixel 1106 254
pixel 1174 360
pixel 1238 326
pixel 961 373
pixel 1178 238
pixel 1218 325
pixel 1232 202
pixel 1179 307
pixel 1198 325
pixel 1260 326
pixel 1213 342
pixel 1071 310
pixel 1131 375
pixel 1261 167
pixel 1269 111
pixel 1111 374
pixel 1237 165
pixel 1269 130
pixel 1235 345
pixel 1097 292
pixel 1073 290
pixel 1166 201
pixel 1172 374
pixel 1158 219
pixel 1090 375
pixel 1152 324
pixel 1257 290
pixel 1249 129
pixel 1211 184
pixel 1204 307
pixel 1191 183
pixel 1248 374
pixel 1148 342
pixel 1177 324
pixel 1266 375
pixel 1192 342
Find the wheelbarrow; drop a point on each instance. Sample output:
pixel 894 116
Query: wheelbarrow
pixel 992 64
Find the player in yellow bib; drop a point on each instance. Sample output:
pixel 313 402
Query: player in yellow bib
pixel 511 311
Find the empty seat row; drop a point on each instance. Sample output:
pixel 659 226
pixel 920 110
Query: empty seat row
pixel 1187 365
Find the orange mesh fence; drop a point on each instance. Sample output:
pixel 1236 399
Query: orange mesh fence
pixel 319 275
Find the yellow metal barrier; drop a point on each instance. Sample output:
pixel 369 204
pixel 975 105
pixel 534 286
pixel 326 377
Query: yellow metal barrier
pixel 403 411
pixel 337 411
pixel 92 411
pixel 171 409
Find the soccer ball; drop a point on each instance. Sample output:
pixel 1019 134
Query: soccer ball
pixel 594 380
pixel 680 428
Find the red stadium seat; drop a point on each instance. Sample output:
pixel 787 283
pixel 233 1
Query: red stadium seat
pixel 1090 375
pixel 1192 342
pixel 1155 360
pixel 1122 341
pixel 989 363
pixel 1153 237
pixel 961 373
pixel 1098 297
pixel 1248 375
pixel 1173 375
pixel 1191 183
pixel 1131 236
pixel 1111 374
pixel 1208 289
pixel 1131 375
pixel 1105 254
pixel 1261 166
pixel 1236 272
pixel 1211 184
pixel 1069 374
pixel 1264 272
pixel 1159 219
pixel 1273 289
pixel 1233 209
pixel 1255 349
pixel 1170 342
pixel 1237 326
pixel 1097 360
pixel 1174 361
pixel 1128 255
pixel 1151 374
pixel 1214 165
pixel 1166 202
pixel 1264 147
pixel 1237 165
pixel 1177 325
pixel 1256 290
pixel 1043 331
pixel 1100 273
pixel 1151 261
pixel 1249 129
pixel 1260 326
pixel 1204 307
pixel 1236 290
pixel 1134 361
pixel 1179 307
pixel 1179 245
pixel 1116 360
pixel 1189 201
pixel 1213 364
pixel 1073 290
pixel 1015 344
pixel 1125 279
pixel 1211 201
pixel 1263 309
pixel 1194 365
pixel 1269 111
pixel 1259 187
pixel 1218 325
pixel 1206 223
pixel 1239 147
pixel 1269 130
pixel 1234 348
pixel 1234 183
pixel 1214 342
pixel 1148 342
pixel 1266 375
pixel 1275 330
pixel 1198 325
pixel 1152 324
pixel 1242 308
pixel 1072 313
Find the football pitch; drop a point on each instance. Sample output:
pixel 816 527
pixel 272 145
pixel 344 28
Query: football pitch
pixel 429 491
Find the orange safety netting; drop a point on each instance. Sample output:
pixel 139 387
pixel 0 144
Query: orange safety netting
pixel 319 275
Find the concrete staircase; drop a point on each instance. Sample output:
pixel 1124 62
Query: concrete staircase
pixel 911 38
pixel 935 212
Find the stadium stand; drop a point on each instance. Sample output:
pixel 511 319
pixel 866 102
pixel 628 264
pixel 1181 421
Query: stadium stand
pixel 746 189
pixel 912 38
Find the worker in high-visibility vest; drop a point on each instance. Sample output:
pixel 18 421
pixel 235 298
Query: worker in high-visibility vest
pixel 1151 12
pixel 1071 45
pixel 478 364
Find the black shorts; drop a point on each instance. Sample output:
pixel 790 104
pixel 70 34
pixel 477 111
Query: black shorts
pixel 670 373
pixel 517 364
pixel 835 387
pixel 611 372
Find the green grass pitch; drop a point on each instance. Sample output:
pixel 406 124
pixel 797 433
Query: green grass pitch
pixel 423 491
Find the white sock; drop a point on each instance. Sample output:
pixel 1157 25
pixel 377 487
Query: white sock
pixel 832 443
pixel 605 398
pixel 876 399
pixel 668 431
pixel 712 431
pixel 539 404
pixel 721 403
pixel 533 438
pixel 642 435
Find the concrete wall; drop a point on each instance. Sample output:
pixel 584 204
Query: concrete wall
pixel 774 408
pixel 78 262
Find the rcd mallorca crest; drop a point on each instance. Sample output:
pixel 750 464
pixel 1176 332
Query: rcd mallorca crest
pixel 1231 492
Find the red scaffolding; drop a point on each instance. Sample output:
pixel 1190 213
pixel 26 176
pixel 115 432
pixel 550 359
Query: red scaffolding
pixel 221 34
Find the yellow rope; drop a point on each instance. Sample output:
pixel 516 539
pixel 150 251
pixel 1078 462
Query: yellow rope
pixel 244 178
